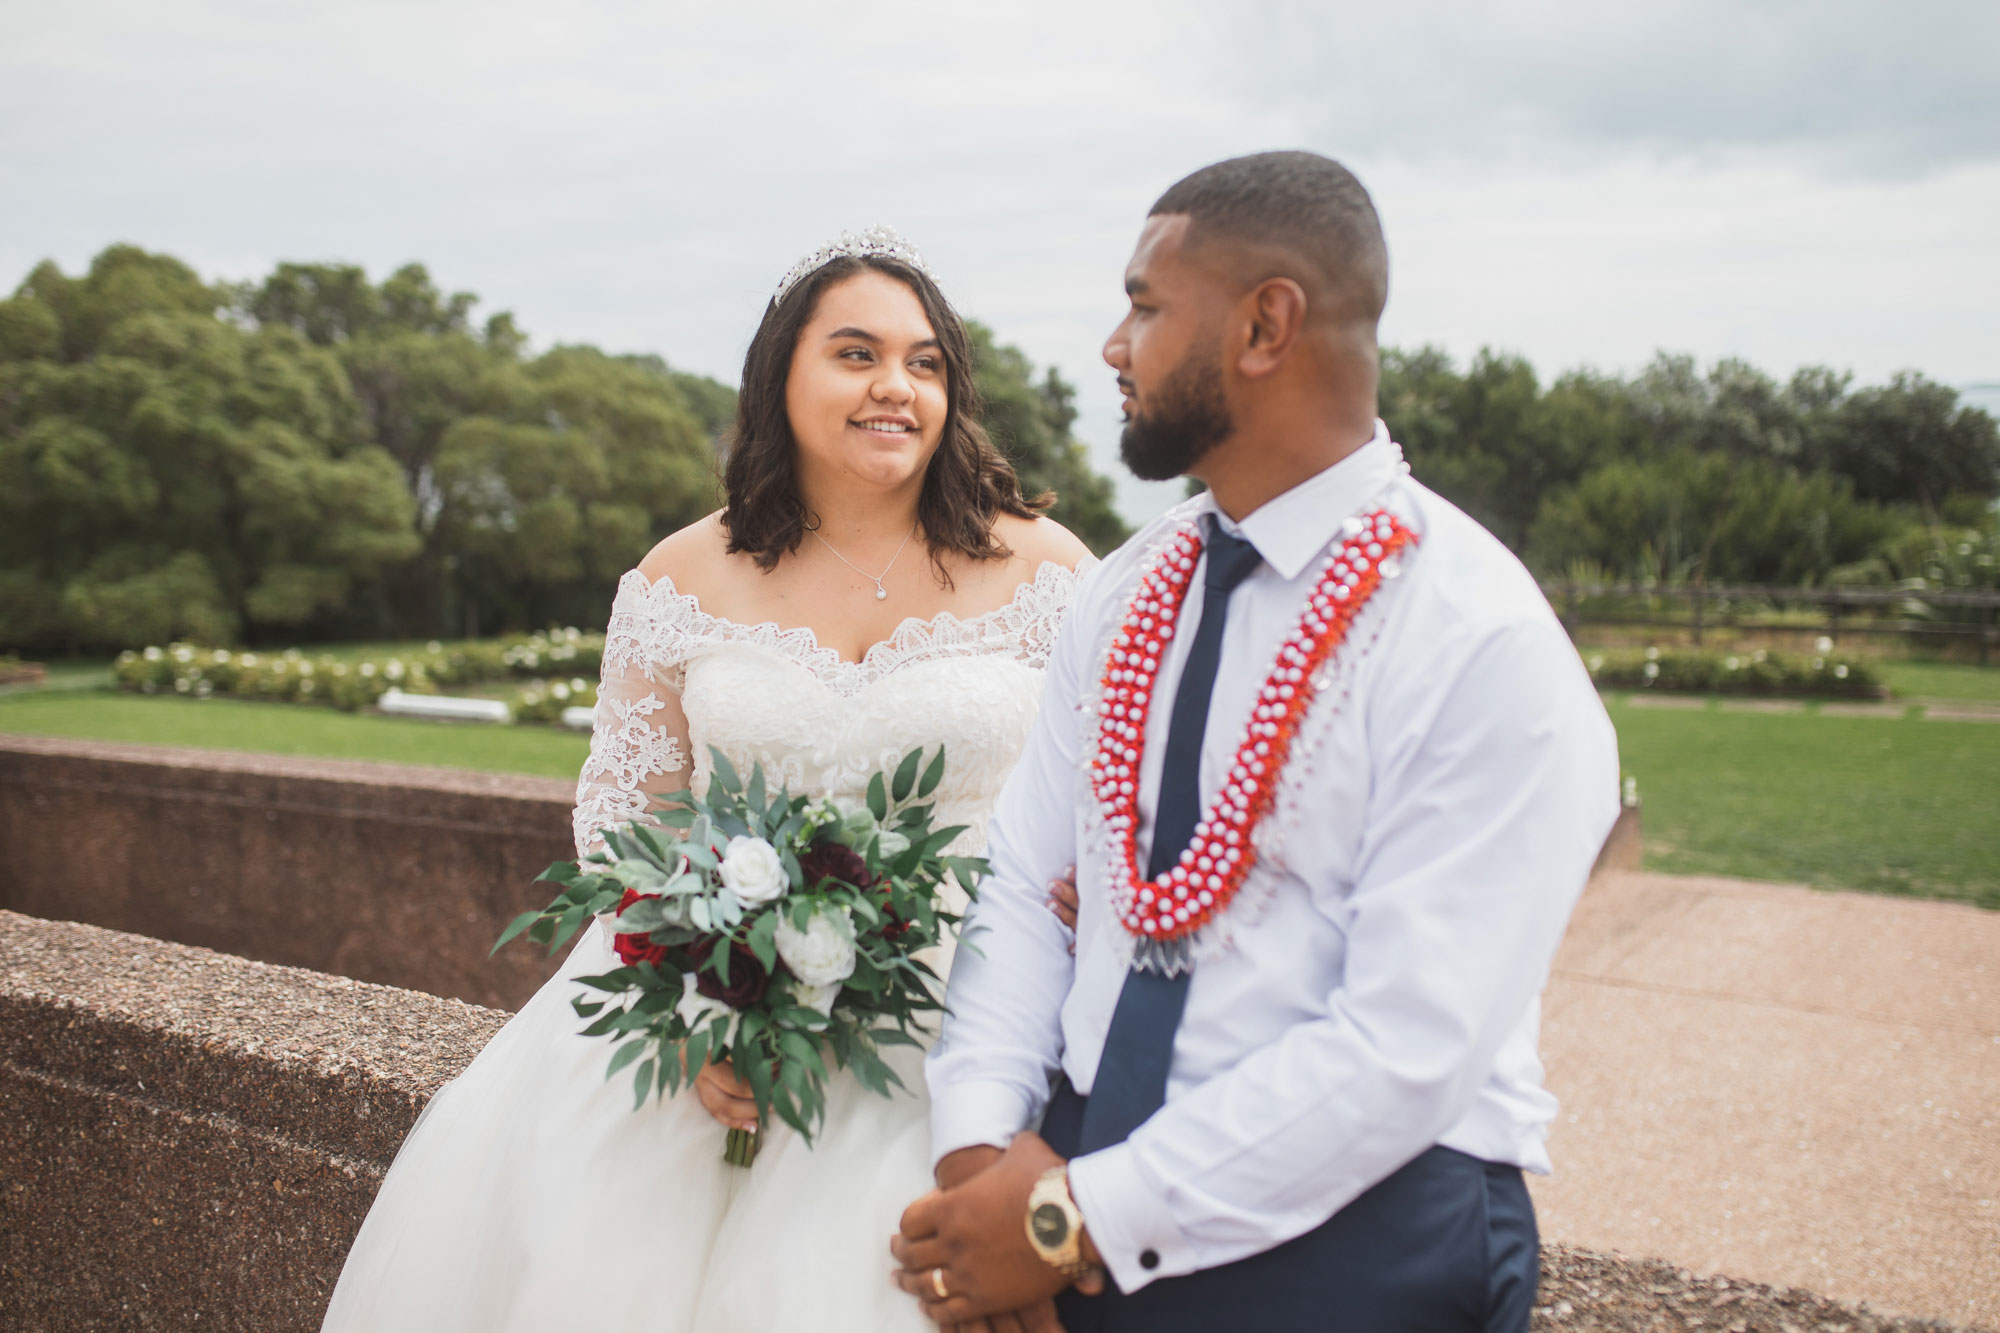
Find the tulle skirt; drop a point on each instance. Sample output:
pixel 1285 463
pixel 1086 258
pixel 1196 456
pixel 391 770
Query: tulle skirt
pixel 531 1196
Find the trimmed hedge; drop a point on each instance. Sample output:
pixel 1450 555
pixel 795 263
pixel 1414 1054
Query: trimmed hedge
pixel 545 700
pixel 293 677
pixel 1697 671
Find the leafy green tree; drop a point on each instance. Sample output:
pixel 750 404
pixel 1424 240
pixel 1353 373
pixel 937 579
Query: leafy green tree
pixel 1706 517
pixel 1030 422
pixel 165 472
pixel 1912 441
pixel 537 480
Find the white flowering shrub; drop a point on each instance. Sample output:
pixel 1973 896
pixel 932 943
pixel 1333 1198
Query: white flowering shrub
pixel 293 677
pixel 1697 671
pixel 545 700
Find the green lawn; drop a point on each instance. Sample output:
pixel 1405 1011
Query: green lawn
pixel 1942 680
pixel 273 728
pixel 1890 806
pixel 1886 805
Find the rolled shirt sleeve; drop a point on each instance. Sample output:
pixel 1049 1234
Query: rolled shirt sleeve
pixel 1488 806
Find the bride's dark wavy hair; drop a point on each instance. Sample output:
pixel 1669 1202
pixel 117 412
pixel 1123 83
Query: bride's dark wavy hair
pixel 967 485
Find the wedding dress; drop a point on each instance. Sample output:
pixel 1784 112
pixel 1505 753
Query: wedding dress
pixel 530 1195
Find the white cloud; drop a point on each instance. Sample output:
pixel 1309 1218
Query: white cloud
pixel 1790 182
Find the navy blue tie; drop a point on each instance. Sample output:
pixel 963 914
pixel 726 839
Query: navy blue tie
pixel 1131 1079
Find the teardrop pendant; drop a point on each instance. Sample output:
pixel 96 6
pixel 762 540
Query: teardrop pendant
pixel 881 593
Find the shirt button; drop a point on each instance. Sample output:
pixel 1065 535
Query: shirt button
pixel 1149 1260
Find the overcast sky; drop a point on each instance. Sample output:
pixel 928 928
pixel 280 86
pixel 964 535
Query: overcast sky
pixel 1579 182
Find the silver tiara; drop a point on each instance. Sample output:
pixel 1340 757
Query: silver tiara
pixel 883 241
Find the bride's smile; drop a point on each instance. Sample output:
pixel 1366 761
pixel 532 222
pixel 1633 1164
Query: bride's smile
pixel 867 394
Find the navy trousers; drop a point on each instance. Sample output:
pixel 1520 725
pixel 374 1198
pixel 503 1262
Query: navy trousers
pixel 1445 1244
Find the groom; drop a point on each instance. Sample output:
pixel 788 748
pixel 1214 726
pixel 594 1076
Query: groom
pixel 1300 1098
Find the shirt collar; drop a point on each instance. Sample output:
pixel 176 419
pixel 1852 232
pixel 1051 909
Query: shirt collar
pixel 1290 529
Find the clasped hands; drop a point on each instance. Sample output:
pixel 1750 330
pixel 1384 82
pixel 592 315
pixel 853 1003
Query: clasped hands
pixel 968 1238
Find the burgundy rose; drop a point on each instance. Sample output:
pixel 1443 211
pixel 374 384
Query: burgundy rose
pixel 747 980
pixel 893 926
pixel 833 860
pixel 838 861
pixel 635 949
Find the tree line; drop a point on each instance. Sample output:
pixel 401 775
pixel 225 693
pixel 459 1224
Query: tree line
pixel 1723 476
pixel 318 456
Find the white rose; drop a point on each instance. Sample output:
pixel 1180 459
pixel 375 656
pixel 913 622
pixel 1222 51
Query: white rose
pixel 698 1010
pixel 816 997
pixel 752 871
pixel 822 953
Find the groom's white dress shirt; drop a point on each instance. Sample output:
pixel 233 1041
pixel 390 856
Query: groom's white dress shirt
pixel 1385 994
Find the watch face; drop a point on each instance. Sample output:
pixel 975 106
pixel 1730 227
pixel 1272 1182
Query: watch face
pixel 1050 1225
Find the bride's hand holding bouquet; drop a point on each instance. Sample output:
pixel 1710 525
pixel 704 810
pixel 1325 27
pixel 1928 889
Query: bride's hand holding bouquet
pixel 773 932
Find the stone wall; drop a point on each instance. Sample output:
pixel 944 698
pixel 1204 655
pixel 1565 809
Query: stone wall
pixel 385 873
pixel 190 1140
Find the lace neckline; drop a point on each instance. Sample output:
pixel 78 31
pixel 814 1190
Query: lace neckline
pixel 1052 587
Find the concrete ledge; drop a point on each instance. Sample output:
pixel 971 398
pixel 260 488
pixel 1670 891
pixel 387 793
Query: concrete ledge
pixel 393 874
pixel 190 1140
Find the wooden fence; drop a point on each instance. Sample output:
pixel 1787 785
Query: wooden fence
pixel 1843 610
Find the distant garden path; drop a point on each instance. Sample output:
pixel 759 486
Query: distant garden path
pixel 1781 1084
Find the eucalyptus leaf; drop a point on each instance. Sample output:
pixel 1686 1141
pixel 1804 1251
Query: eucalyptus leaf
pixel 724 771
pixel 514 927
pixel 639 874
pixel 932 775
pixel 624 1056
pixel 802 1050
pixel 905 780
pixel 763 940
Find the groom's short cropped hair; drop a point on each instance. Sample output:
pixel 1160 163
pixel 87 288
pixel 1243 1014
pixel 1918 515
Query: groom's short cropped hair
pixel 1297 207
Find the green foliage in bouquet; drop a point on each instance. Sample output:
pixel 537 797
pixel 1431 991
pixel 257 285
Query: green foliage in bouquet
pixel 779 932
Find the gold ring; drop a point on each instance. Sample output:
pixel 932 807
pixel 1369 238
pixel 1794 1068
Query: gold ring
pixel 937 1284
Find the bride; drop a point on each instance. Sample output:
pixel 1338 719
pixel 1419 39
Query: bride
pixel 874 583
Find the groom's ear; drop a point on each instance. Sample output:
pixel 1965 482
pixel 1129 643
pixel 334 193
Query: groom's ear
pixel 1274 314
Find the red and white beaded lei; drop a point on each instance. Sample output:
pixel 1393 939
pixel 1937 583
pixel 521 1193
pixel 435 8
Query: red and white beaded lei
pixel 1162 915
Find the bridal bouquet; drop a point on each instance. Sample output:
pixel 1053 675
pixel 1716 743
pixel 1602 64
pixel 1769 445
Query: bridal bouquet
pixel 775 931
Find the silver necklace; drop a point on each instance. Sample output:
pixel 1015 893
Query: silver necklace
pixel 881 593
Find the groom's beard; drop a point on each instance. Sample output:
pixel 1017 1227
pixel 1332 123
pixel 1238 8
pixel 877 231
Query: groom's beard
pixel 1189 417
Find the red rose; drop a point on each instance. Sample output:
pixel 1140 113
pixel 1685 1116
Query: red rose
pixel 634 949
pixel 747 980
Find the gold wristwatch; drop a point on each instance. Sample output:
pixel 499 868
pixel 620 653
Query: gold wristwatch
pixel 1055 1226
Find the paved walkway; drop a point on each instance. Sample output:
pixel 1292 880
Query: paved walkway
pixel 1782 1084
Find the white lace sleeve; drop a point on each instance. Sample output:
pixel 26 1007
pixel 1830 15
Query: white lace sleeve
pixel 1039 608
pixel 639 741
